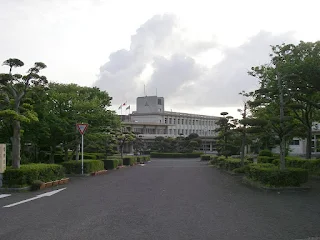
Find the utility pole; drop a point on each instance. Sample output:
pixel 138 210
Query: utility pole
pixel 283 140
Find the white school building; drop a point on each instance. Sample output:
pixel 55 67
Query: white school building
pixel 150 120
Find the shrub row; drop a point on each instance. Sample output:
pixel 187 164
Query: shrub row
pixel 229 163
pixel 265 159
pixel 89 166
pixel 29 173
pixel 114 162
pixel 270 175
pixel 175 155
pixel 312 165
pixel 206 157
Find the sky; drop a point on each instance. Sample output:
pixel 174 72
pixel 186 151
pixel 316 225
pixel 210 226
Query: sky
pixel 195 54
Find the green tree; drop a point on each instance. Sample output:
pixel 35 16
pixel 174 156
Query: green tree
pixel 285 82
pixel 14 107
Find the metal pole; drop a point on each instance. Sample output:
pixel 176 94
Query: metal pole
pixel 82 154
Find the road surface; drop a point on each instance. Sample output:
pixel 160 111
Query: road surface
pixel 167 199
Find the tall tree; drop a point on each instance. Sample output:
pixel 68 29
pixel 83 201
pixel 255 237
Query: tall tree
pixel 13 89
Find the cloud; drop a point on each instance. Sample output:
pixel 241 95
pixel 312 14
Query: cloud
pixel 221 85
pixel 159 45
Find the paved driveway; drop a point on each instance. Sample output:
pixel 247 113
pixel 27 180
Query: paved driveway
pixel 168 199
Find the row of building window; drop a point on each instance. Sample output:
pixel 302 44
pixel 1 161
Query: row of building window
pixel 191 121
pixel 189 131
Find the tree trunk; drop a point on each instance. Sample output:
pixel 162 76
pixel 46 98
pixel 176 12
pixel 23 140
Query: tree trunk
pixel 243 145
pixel 282 138
pixel 283 154
pixel 309 144
pixel 52 152
pixel 77 152
pixel 66 157
pixel 16 144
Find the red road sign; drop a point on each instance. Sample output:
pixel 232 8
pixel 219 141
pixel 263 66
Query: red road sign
pixel 82 127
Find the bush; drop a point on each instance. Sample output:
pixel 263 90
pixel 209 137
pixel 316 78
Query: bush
pixel 175 155
pixel 129 161
pixel 243 169
pixel 312 165
pixel 146 158
pixel 265 153
pixel 230 163
pixel 89 166
pixel 205 157
pixel 27 174
pixel 265 159
pixel 270 175
pixel 110 163
pixel 120 161
pixel 36 185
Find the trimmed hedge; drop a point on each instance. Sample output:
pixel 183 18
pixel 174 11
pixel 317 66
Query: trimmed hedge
pixel 146 158
pixel 29 173
pixel 265 159
pixel 175 155
pixel 229 163
pixel 89 166
pixel 270 175
pixel 129 161
pixel 312 165
pixel 205 157
pixel 266 153
pixel 110 163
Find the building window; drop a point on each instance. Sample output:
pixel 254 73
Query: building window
pixel 170 131
pixel 174 121
pixel 192 122
pixel 174 131
pixel 165 120
pixel 295 143
pixel 182 121
pixel 160 120
pixel 159 101
pixel 178 120
pixel 189 121
pixel 170 120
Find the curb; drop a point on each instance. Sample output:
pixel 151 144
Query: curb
pixel 262 187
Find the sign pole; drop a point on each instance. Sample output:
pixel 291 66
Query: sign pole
pixel 82 154
pixel 82 127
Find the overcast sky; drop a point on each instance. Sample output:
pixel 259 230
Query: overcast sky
pixel 195 53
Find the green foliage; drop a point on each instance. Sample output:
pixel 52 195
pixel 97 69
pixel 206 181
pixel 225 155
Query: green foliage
pixel 312 165
pixel 29 173
pixel 177 145
pixel 243 169
pixel 89 166
pixel 265 159
pixel 271 175
pixel 266 153
pixel 229 163
pixel 36 185
pixel 129 161
pixel 110 163
pixel 205 157
pixel 175 155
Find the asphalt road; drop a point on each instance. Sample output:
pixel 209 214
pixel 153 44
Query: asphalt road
pixel 165 199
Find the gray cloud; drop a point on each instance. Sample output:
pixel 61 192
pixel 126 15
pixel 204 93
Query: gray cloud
pixel 176 74
pixel 118 75
pixel 220 86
